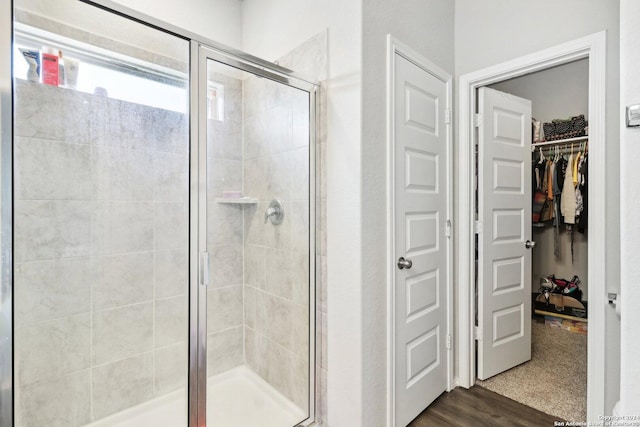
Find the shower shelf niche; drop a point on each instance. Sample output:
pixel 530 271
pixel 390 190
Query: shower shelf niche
pixel 240 201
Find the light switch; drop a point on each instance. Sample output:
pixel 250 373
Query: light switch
pixel 633 116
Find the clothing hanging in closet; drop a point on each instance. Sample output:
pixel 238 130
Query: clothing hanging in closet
pixel 560 191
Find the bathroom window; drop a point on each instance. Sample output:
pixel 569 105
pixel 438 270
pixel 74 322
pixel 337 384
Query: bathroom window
pixel 215 101
pixel 105 72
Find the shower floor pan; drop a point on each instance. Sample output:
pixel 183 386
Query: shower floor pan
pixel 236 398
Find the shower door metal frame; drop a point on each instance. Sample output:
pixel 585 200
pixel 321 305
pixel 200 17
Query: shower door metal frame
pixel 206 53
pixel 6 214
pixel 197 205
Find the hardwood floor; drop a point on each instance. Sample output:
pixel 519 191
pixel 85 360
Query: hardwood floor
pixel 480 407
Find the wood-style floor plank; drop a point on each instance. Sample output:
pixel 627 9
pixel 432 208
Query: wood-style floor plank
pixel 480 407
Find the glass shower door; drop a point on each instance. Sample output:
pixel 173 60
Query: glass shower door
pixel 259 299
pixel 101 164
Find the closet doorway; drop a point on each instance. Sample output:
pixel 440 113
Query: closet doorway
pixel 587 52
pixel 532 247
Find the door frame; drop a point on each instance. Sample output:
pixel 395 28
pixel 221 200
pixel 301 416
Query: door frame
pixel 396 47
pixel 594 48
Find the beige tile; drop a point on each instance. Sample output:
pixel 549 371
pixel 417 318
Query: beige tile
pixel 255 265
pixel 133 130
pixel 171 176
pixel 223 143
pixel 321 171
pixel 255 173
pixel 301 278
pixel 299 218
pixel 130 125
pixel 255 351
pixel 51 229
pixel 321 394
pixel 224 350
pixel 226 265
pixel 122 227
pixel 60 402
pixel 321 227
pixel 166 130
pixel 121 385
pixel 321 283
pixel 53 348
pixel 47 112
pixel 261 324
pixel 224 229
pixel 279 314
pixel 299 382
pixel 278 367
pixel 104 114
pixel 324 343
pixel 171 225
pixel 224 308
pixel 280 175
pixel 122 280
pixel 299 164
pixel 300 330
pixel 171 369
pixel 255 145
pixel 49 289
pixel 223 175
pixel 309 58
pixel 171 273
pixel 122 173
pixel 250 349
pixel 300 119
pixel 254 226
pixel 261 94
pixel 171 321
pixel 250 306
pixel 280 266
pixel 45 169
pixel 122 332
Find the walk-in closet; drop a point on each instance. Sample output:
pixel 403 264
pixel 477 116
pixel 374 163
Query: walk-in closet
pixel 554 380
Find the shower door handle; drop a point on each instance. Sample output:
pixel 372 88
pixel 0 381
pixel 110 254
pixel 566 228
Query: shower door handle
pixel 204 268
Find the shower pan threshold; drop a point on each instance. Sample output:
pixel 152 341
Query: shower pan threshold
pixel 236 398
pixel 240 397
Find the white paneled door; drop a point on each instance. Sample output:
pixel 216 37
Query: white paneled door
pixel 504 232
pixel 421 244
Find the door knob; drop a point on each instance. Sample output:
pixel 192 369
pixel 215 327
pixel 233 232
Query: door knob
pixel 529 244
pixel 404 263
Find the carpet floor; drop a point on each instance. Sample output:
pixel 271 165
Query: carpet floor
pixel 554 381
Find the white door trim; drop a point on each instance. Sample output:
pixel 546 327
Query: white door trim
pixel 592 47
pixel 394 46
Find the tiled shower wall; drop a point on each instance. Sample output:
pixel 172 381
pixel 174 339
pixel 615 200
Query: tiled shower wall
pixel 101 261
pixel 311 60
pixel 225 304
pixel 276 165
pixel 276 278
pixel 101 246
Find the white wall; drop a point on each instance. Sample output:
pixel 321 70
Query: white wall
pixel 218 20
pixel 630 197
pixel 427 27
pixel 271 28
pixel 489 32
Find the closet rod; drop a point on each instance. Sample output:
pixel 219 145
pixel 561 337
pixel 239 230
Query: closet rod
pixel 558 142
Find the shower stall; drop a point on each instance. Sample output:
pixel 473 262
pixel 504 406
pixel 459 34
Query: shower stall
pixel 158 217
